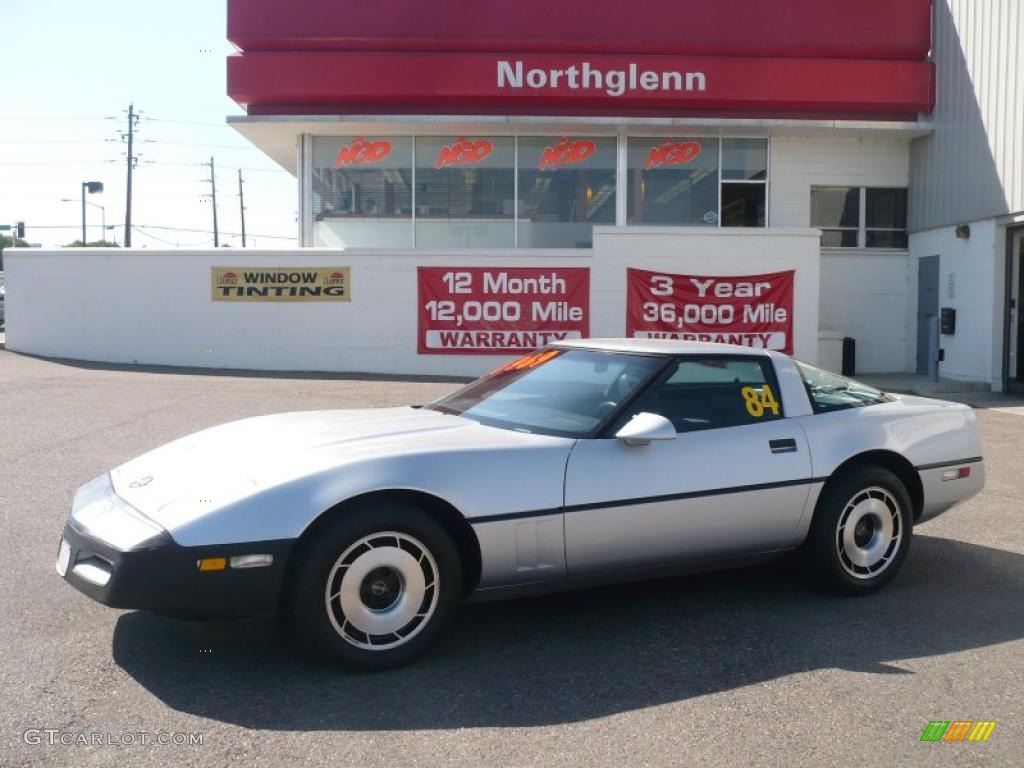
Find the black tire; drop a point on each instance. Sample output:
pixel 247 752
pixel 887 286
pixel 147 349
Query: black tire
pixel 845 556
pixel 334 627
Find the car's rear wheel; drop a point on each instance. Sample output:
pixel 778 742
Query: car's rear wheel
pixel 861 531
pixel 375 585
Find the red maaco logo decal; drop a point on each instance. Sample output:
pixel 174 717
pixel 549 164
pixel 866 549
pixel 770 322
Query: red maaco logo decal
pixel 565 152
pixel 671 153
pixel 462 151
pixel 363 152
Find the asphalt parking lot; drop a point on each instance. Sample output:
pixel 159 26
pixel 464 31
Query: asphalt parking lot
pixel 742 668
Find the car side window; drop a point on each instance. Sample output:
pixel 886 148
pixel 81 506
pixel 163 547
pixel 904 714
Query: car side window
pixel 713 391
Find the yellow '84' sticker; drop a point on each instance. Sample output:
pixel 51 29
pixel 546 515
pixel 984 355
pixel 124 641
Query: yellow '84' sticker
pixel 759 401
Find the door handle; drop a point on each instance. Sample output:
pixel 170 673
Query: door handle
pixel 786 445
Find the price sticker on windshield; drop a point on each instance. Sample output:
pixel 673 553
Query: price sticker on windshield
pixel 760 400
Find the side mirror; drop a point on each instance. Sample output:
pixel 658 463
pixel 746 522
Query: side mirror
pixel 645 427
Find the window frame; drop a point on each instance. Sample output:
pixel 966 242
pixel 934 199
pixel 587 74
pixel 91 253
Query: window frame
pixel 621 417
pixel 862 216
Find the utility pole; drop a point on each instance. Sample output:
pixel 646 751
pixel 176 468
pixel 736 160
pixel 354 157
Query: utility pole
pixel 241 204
pixel 133 120
pixel 213 200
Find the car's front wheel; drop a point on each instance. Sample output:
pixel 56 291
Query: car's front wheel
pixel 375 585
pixel 861 531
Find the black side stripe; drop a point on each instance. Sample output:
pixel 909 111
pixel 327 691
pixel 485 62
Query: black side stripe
pixel 941 464
pixel 643 500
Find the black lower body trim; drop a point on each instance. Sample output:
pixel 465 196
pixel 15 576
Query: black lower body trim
pixel 941 464
pixel 644 500
pixel 167 580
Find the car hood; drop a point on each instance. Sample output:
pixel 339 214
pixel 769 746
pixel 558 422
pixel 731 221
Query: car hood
pixel 224 464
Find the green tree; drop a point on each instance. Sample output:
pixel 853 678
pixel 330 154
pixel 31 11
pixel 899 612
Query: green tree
pixel 5 242
pixel 93 244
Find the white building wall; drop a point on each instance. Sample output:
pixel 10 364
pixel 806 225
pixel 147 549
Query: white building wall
pixel 971 280
pixel 154 307
pixel 868 295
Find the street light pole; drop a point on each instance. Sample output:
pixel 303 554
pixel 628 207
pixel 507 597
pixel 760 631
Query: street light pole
pixel 84 183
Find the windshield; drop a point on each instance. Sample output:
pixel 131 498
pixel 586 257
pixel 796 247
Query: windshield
pixel 564 392
pixel 832 392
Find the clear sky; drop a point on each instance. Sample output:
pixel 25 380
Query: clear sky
pixel 69 68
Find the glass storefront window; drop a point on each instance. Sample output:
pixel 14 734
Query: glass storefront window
pixel 362 192
pixel 673 181
pixel 566 186
pixel 744 159
pixel 465 192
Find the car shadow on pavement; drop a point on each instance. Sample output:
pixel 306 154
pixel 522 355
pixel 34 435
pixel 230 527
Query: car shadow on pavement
pixel 583 655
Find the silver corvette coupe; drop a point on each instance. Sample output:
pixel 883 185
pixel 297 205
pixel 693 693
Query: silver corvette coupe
pixel 586 461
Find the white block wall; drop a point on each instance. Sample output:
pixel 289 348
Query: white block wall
pixel 971 280
pixel 154 307
pixel 865 294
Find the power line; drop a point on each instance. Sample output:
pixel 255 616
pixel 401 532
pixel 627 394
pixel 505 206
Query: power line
pixel 208 232
pixel 186 122
pixel 166 229
pixel 198 144
pixel 141 231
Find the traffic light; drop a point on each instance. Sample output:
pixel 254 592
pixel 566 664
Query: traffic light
pixel 19 230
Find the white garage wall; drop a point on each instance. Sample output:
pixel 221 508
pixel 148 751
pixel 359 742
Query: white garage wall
pixel 971 280
pixel 154 307
pixel 868 297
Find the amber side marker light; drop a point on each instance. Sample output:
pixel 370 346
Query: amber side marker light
pixel 238 561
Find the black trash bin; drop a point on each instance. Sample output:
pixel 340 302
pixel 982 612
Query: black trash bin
pixel 849 356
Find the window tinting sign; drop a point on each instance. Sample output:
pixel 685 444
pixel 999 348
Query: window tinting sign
pixel 281 283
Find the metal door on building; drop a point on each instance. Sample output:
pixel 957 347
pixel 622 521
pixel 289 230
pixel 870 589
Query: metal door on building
pixel 927 308
pixel 1015 363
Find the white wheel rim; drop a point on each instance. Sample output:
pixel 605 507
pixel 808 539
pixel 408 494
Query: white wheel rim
pixel 869 533
pixel 382 590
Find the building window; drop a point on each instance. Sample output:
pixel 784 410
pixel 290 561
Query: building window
pixel 362 191
pixel 744 182
pixel 673 181
pixel 566 186
pixel 698 182
pixel 860 217
pixel 465 192
pixel 885 218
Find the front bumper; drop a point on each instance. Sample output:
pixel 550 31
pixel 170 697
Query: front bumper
pixel 164 576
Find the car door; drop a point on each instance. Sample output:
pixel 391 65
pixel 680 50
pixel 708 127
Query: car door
pixel 735 479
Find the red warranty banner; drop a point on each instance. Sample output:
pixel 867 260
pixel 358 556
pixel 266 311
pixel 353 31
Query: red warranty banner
pixel 498 311
pixel 753 310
